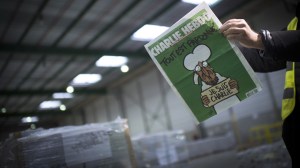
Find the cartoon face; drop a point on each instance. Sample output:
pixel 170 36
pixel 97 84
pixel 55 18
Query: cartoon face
pixel 206 73
pixel 197 62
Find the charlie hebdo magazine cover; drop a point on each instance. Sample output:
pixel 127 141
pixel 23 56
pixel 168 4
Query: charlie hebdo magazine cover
pixel 208 72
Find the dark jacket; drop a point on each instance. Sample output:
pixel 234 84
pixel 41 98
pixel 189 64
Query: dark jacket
pixel 284 46
pixel 281 47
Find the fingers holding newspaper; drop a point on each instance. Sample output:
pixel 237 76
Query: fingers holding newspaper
pixel 239 30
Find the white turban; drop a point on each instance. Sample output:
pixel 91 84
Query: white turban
pixel 201 53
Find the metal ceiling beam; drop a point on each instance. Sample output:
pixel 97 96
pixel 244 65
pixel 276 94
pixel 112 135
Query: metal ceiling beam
pixel 34 113
pixel 70 26
pixel 74 22
pixel 28 27
pixel 57 41
pixel 11 19
pixel 151 19
pixel 50 26
pixel 63 51
pixel 112 23
pixel 141 54
pixel 36 15
pixel 105 29
pixel 97 53
pixel 50 91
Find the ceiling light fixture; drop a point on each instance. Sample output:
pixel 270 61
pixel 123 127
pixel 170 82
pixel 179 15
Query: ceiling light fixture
pixel 86 79
pixel 51 104
pixel 62 107
pixel 70 89
pixel 3 110
pixel 30 119
pixel 148 32
pixel 62 95
pixel 196 2
pixel 111 61
pixel 124 68
pixel 32 126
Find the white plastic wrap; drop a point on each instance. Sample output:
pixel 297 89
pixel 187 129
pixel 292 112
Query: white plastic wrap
pixel 160 149
pixel 91 145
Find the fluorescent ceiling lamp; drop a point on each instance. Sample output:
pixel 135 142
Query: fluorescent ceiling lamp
pixel 196 2
pixel 86 79
pixel 51 104
pixel 70 89
pixel 124 68
pixel 148 32
pixel 30 119
pixel 62 95
pixel 32 126
pixel 3 110
pixel 62 107
pixel 111 61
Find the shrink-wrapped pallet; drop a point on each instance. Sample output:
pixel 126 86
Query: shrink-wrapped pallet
pixel 92 145
pixel 161 149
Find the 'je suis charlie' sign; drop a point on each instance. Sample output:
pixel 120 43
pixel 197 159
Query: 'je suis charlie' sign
pixel 208 72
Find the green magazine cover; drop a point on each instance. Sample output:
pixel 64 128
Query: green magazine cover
pixel 208 72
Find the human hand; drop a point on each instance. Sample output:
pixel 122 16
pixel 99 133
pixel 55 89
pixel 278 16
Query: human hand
pixel 233 84
pixel 205 100
pixel 239 30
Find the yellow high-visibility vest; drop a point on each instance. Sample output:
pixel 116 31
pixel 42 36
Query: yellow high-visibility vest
pixel 289 94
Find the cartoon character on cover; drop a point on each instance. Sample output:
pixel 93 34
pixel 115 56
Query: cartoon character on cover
pixel 197 62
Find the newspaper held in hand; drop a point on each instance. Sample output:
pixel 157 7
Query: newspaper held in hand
pixel 208 72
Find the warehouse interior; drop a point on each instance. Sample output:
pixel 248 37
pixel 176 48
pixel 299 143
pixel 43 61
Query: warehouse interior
pixel 45 45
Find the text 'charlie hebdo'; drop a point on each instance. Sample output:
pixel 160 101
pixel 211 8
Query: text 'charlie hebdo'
pixel 179 34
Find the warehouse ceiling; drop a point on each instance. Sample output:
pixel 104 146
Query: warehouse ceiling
pixel 44 44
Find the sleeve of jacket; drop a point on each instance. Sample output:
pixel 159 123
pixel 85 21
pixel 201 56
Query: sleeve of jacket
pixel 261 63
pixel 283 45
